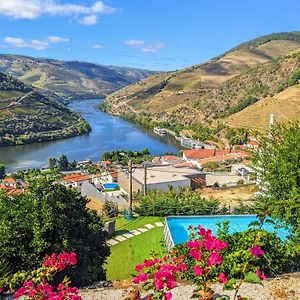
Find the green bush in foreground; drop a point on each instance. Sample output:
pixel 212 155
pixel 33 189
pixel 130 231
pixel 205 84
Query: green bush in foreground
pixel 51 218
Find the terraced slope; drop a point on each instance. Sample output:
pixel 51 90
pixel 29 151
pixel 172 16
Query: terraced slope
pixel 285 106
pixel 70 79
pixel 27 116
pixel 165 91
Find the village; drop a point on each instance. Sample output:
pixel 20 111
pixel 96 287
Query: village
pixel 205 170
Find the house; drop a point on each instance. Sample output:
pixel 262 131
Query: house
pixel 161 178
pixel 9 190
pixel 105 177
pixel 253 144
pixel 243 170
pixel 14 183
pixel 198 157
pixel 74 180
pixel 172 160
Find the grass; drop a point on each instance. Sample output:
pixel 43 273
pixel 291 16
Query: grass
pixel 123 226
pixel 125 255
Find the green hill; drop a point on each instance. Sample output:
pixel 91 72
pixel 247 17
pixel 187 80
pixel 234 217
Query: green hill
pixel 28 116
pixel 70 79
pixel 202 97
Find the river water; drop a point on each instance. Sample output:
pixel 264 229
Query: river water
pixel 108 133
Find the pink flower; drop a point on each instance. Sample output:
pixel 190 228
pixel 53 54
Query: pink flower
pixel 214 259
pixel 219 245
pixel 197 270
pixel 256 251
pixel 149 263
pixel 168 296
pixel 192 244
pixel 261 275
pixel 138 267
pixel 195 254
pixel 140 278
pixel 222 278
pixel 1 290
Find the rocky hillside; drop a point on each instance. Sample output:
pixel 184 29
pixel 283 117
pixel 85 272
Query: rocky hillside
pixel 70 79
pixel 28 116
pixel 210 93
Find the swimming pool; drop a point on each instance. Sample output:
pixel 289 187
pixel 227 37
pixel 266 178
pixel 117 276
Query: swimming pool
pixel 110 186
pixel 177 227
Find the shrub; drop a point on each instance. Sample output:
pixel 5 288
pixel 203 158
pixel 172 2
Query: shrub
pixel 51 218
pixel 37 284
pixel 183 202
pixel 272 263
pixel 110 209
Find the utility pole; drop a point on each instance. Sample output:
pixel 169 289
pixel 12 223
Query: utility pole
pixel 130 186
pixel 145 180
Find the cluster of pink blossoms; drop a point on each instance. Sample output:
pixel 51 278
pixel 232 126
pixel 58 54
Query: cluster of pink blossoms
pixel 47 291
pixel 43 290
pixel 205 250
pixel 161 274
pixel 60 261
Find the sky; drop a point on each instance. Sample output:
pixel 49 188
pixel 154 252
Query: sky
pixel 149 34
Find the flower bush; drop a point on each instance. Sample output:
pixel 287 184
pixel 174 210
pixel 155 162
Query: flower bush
pixel 200 260
pixel 37 284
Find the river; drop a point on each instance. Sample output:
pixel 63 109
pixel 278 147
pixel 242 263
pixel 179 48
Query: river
pixel 108 133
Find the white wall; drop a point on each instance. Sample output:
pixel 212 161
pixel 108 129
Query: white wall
pixel 164 186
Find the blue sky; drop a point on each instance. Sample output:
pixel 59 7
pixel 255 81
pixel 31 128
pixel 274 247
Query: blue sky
pixel 152 34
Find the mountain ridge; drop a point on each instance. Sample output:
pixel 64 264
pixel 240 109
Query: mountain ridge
pixel 185 98
pixel 70 79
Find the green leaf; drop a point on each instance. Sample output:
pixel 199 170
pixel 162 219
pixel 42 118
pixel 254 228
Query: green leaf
pixel 252 278
pixel 229 286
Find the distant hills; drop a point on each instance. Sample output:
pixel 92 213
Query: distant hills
pixel 70 79
pixel 205 98
pixel 34 91
pixel 27 116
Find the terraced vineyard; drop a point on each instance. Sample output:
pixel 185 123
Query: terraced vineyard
pixel 27 116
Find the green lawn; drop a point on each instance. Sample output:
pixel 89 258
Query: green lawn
pixel 123 226
pixel 125 255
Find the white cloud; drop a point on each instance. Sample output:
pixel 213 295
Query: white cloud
pixel 134 43
pixel 33 9
pixel 97 46
pixel 89 20
pixel 21 43
pixel 34 43
pixel 148 48
pixel 153 48
pixel 57 39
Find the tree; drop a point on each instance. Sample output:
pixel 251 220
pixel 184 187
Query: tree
pixel 105 155
pixel 52 163
pixel 2 171
pixel 51 218
pixel 63 161
pixel 277 163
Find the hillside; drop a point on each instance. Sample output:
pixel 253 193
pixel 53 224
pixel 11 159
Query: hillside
pixel 27 116
pixel 70 79
pixel 205 95
pixel 285 106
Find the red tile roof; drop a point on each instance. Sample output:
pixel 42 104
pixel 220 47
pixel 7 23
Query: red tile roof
pixel 75 178
pixel 208 153
pixel 9 180
pixel 114 174
pixel 106 162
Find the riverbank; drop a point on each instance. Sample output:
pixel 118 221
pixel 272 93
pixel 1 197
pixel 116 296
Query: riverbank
pixel 108 133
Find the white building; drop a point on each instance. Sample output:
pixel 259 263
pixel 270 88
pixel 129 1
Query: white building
pixel 161 178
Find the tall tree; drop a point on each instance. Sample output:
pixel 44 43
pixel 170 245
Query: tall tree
pixel 52 163
pixel 63 162
pixel 51 218
pixel 278 166
pixel 2 171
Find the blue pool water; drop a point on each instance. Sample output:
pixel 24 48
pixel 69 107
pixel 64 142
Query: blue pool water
pixel 179 225
pixel 110 186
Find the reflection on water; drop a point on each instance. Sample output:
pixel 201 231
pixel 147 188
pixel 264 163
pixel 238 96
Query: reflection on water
pixel 108 133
